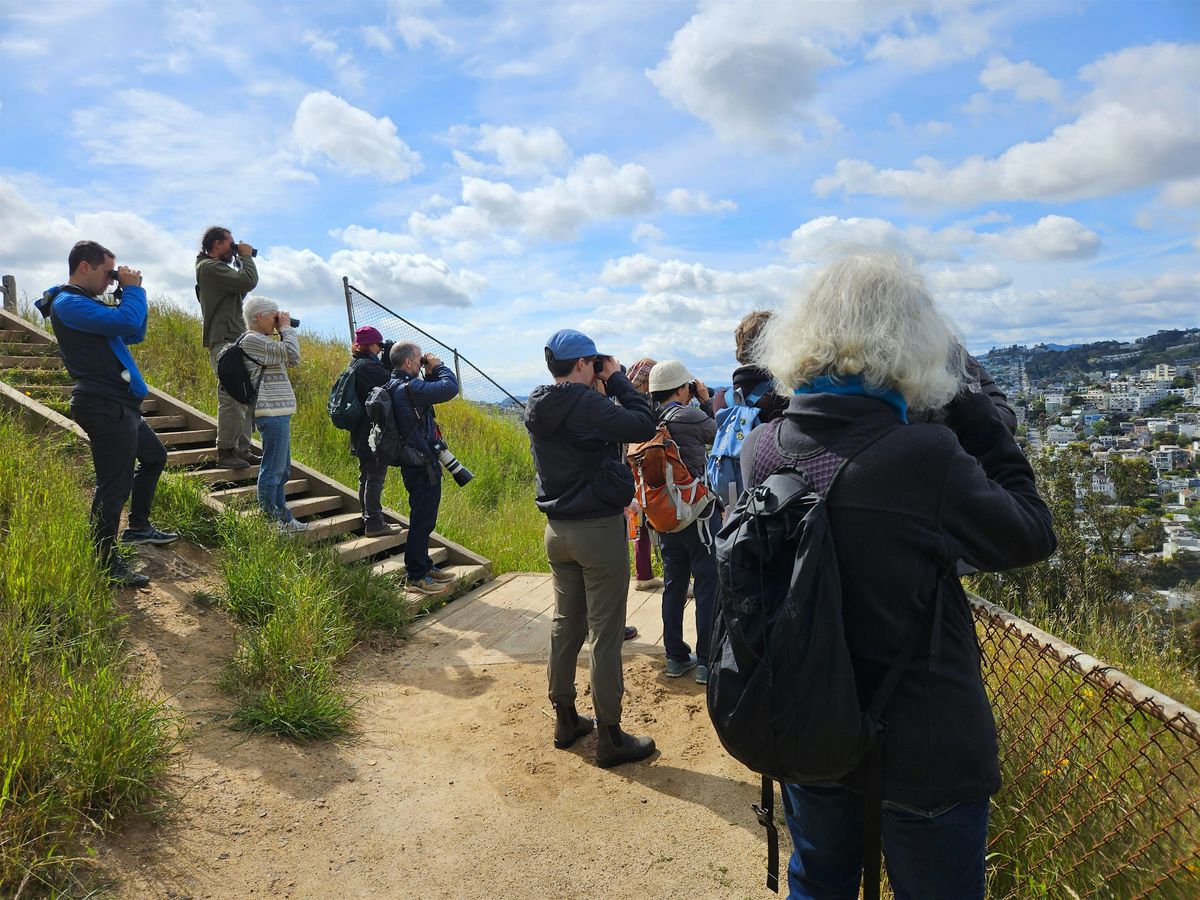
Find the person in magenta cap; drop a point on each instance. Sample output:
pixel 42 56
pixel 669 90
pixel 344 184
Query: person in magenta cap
pixel 583 487
pixel 366 353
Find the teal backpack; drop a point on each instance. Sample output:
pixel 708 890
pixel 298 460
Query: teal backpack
pixel 724 466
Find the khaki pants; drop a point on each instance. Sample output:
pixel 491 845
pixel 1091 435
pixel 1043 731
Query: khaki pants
pixel 591 587
pixel 235 421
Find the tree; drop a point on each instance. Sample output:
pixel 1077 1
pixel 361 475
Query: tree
pixel 1132 479
pixel 1149 539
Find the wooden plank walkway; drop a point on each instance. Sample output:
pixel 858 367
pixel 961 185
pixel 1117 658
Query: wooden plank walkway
pixel 508 620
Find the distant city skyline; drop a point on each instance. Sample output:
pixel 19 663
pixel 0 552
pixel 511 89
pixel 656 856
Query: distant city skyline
pixel 645 172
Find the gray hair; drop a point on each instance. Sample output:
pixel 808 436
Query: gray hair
pixel 402 353
pixel 866 314
pixel 255 306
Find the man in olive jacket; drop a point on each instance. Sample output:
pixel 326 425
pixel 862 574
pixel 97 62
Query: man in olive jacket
pixel 221 286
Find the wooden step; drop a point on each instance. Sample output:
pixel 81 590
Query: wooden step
pixel 361 547
pixel 150 404
pixel 161 422
pixel 60 389
pixel 319 529
pixel 219 475
pixel 395 565
pixel 295 486
pixel 191 457
pixel 27 348
pixel 30 362
pixel 311 506
pixel 14 335
pixel 195 436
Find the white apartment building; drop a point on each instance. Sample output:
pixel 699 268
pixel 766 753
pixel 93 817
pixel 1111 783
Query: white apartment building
pixel 1060 436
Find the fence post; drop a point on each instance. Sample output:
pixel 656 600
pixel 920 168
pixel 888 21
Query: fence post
pixel 458 376
pixel 10 293
pixel 349 303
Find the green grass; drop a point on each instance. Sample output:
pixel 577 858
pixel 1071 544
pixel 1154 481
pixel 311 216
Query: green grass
pixel 80 744
pixel 494 515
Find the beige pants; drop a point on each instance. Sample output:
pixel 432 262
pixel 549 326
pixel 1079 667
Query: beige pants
pixel 235 421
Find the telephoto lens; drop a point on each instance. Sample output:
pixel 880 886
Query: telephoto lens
pixel 460 473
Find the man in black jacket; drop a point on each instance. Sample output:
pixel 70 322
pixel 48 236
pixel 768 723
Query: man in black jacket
pixel 575 434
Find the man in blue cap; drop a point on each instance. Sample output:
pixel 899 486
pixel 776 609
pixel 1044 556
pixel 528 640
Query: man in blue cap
pixel 583 487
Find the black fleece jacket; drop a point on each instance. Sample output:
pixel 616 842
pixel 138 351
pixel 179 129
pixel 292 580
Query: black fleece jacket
pixel 572 428
pixel 371 374
pixel 903 512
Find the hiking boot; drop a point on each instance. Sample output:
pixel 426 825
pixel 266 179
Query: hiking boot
pixel 384 530
pixel 250 454
pixel 648 584
pixel 148 534
pixel 676 667
pixel 426 585
pixel 630 632
pixel 228 459
pixel 701 674
pixel 614 746
pixel 442 576
pixel 292 526
pixel 569 726
pixel 121 575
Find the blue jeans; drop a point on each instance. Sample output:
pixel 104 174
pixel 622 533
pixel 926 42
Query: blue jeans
pixel 273 471
pixel 685 555
pixel 930 854
pixel 424 497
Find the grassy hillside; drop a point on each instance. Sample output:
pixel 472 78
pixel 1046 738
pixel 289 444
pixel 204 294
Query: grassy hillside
pixel 494 515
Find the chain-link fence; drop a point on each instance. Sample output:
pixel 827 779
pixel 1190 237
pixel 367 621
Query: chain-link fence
pixel 474 384
pixel 1101 793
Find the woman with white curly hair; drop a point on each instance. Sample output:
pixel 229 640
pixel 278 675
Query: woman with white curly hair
pixel 267 361
pixel 857 352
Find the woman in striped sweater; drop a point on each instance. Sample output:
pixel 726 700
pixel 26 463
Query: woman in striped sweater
pixel 275 403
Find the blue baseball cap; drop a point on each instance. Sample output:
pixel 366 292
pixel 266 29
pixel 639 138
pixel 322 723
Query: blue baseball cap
pixel 571 344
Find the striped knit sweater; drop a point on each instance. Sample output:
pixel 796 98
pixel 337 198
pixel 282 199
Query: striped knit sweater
pixel 275 395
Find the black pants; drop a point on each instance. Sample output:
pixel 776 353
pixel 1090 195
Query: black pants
pixel 119 437
pixel 371 474
pixel 424 484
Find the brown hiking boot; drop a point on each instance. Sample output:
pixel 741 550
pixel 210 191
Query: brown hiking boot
pixel 614 746
pixel 384 530
pixel 228 459
pixel 569 726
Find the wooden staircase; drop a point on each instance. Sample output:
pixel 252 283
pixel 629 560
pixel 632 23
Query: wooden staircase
pixel 34 382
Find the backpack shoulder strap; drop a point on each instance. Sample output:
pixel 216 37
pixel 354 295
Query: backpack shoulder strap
pixel 761 390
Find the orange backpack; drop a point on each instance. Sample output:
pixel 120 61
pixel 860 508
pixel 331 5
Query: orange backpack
pixel 671 497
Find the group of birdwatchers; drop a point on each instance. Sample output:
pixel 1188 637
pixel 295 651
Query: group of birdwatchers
pixel 857 382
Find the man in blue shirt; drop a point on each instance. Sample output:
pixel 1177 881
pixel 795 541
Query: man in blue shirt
pixel 93 338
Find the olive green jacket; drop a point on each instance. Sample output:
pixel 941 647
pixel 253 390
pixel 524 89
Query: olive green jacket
pixel 220 288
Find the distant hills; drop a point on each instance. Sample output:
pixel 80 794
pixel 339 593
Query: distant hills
pixel 1048 360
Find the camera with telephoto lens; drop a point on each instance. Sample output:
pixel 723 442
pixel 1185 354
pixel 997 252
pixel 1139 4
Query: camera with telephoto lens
pixel 460 473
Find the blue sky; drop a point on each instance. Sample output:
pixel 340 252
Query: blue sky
pixel 647 172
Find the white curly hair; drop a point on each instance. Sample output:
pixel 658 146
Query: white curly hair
pixel 255 306
pixel 865 314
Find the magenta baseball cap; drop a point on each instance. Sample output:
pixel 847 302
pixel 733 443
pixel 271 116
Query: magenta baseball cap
pixel 366 335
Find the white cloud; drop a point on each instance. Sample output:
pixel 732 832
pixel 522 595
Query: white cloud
pixel 690 203
pixel 359 238
pixel 822 238
pixel 645 232
pixel 349 75
pixel 415 28
pixel 351 139
pixel 982 277
pixel 1140 125
pixel 524 151
pixel 595 189
pixel 961 34
pixel 1051 237
pixel 1184 194
pixel 375 37
pixel 1027 81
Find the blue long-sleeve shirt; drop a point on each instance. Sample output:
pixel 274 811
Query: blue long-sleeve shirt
pixel 94 338
pixel 440 387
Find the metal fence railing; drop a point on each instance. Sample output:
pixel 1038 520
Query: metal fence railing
pixel 474 384
pixel 1101 794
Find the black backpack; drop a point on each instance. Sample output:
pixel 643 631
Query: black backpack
pixel 781 687
pixel 233 375
pixel 345 409
pixel 385 438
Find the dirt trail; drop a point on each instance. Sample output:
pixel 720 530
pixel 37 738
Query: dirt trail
pixel 450 788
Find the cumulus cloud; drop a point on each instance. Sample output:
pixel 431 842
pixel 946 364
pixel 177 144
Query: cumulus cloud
pixel 345 69
pixel 1051 237
pixel 1139 126
pixel 821 238
pixel 961 34
pixel 645 231
pixel 359 238
pixel 982 277
pixel 1024 79
pixel 690 203
pixel 351 139
pixel 520 151
pixel 410 19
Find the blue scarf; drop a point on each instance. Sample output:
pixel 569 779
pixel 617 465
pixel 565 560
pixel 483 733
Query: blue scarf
pixel 853 385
